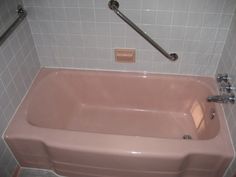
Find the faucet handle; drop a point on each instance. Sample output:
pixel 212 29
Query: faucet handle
pixel 227 87
pixel 223 77
pixel 232 98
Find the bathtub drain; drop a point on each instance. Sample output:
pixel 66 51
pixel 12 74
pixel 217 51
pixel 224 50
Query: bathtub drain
pixel 212 114
pixel 187 137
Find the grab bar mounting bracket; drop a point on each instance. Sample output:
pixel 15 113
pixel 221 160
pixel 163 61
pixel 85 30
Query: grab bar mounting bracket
pixel 21 11
pixel 113 4
pixel 21 16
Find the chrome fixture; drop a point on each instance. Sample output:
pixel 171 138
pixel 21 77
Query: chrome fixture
pixel 223 78
pixel 114 5
pixel 21 16
pixel 212 114
pixel 187 137
pixel 227 87
pixel 226 90
pixel 225 98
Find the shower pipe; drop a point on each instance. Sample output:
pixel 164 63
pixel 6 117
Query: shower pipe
pixel 21 16
pixel 114 5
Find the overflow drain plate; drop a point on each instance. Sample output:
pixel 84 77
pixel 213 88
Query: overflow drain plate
pixel 187 137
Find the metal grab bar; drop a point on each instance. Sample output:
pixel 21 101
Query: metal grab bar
pixel 114 5
pixel 21 16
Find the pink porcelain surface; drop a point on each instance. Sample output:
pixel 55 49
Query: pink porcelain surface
pixel 113 124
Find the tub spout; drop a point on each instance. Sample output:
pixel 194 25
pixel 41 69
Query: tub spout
pixel 222 98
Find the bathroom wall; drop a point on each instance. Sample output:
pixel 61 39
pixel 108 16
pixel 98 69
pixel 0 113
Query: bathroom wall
pixel 227 64
pixel 83 33
pixel 18 66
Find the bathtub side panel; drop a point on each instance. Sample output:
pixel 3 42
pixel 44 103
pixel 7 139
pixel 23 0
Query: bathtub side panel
pixel 29 153
pixel 72 162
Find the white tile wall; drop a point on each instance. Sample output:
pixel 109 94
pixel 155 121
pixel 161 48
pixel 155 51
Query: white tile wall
pixel 83 33
pixel 18 66
pixel 228 65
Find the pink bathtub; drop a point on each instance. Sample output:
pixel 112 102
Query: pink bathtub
pixel 112 124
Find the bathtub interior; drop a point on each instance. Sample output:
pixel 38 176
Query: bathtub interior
pixel 125 104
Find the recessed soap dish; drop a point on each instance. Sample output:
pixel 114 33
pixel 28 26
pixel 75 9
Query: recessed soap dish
pixel 125 55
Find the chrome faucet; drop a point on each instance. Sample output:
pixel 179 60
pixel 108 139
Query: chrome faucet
pixel 222 78
pixel 222 98
pixel 226 90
